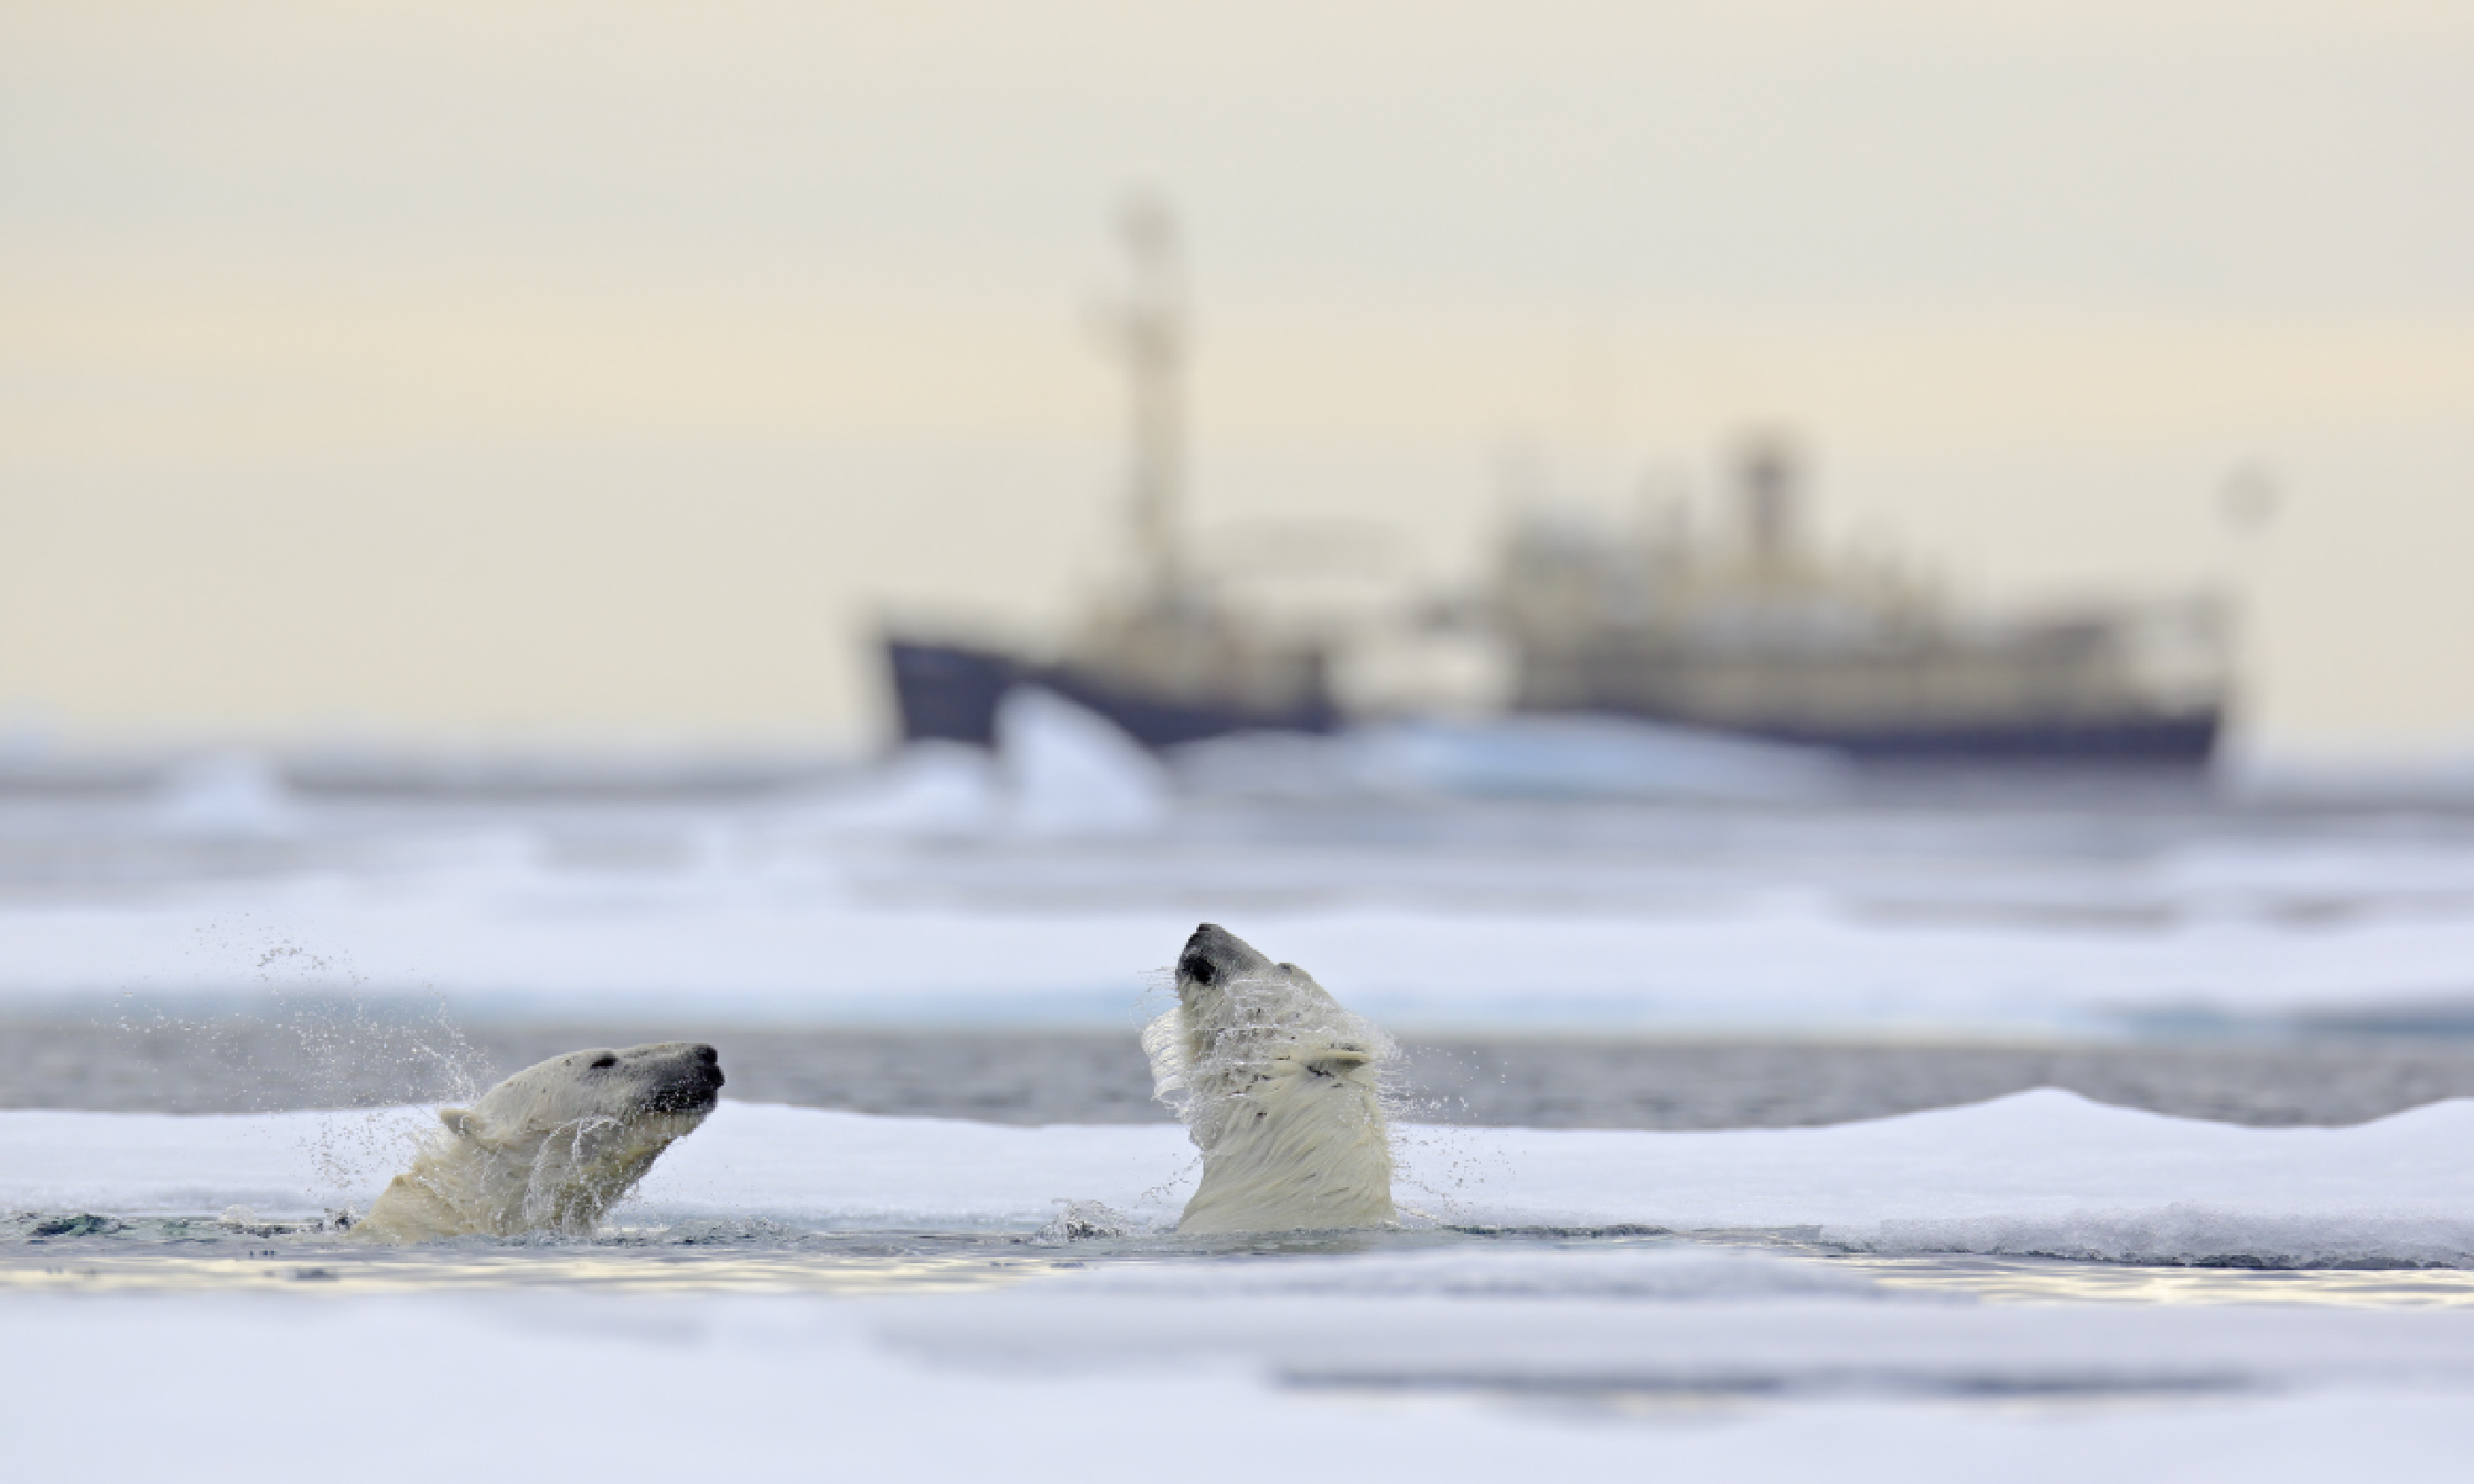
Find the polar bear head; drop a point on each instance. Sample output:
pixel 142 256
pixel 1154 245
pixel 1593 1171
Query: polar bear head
pixel 1279 1087
pixel 554 1147
pixel 1237 1008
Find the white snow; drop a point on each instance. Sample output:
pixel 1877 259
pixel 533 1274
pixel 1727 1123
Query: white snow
pixel 229 796
pixel 1657 1319
pixel 2039 1155
pixel 933 790
pixel 793 943
pixel 1031 1385
pixel 1047 885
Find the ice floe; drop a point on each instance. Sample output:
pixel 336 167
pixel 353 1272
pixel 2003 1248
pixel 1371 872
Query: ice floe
pixel 1020 1385
pixel 2044 1173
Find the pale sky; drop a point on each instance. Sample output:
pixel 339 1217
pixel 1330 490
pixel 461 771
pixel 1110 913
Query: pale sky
pixel 520 371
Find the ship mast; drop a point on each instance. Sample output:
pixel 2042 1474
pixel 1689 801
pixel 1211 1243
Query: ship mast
pixel 1147 330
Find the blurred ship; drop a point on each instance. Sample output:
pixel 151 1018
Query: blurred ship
pixel 1168 656
pixel 1754 635
pixel 1757 634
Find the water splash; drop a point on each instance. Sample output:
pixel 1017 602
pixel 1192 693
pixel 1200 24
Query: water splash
pixel 1083 1221
pixel 1206 1075
pixel 315 1038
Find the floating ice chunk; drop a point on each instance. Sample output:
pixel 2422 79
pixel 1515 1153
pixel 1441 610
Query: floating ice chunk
pixel 1521 757
pixel 1059 769
pixel 926 789
pixel 227 796
pixel 1073 773
pixel 1584 756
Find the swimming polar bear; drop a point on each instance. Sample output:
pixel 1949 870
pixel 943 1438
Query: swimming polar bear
pixel 552 1148
pixel 1278 1087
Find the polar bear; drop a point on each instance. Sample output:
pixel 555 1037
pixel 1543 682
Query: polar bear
pixel 1278 1087
pixel 552 1148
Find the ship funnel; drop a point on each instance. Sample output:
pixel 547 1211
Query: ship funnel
pixel 1147 330
pixel 1769 491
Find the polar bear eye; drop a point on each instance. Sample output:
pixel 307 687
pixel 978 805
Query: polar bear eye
pixel 605 1059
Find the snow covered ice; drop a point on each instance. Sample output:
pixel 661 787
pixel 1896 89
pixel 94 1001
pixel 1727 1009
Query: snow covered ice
pixel 2038 1174
pixel 1044 887
pixel 2034 1287
pixel 874 1296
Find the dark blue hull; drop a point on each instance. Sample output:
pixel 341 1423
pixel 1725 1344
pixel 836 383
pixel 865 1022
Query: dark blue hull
pixel 2172 741
pixel 949 693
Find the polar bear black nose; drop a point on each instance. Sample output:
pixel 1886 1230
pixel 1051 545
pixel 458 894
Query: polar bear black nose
pixel 1195 961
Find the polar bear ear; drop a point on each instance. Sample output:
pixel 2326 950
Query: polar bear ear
pixel 466 1123
pixel 1340 1058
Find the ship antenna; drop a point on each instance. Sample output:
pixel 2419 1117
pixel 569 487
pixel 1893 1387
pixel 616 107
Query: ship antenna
pixel 1148 331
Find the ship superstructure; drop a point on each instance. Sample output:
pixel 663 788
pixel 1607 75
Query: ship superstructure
pixel 1755 632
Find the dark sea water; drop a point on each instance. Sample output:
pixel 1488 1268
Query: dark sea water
pixel 310 1057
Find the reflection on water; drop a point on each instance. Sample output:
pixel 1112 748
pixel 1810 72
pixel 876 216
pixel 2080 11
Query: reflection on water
pixel 88 1252
pixel 754 1256
pixel 2056 1280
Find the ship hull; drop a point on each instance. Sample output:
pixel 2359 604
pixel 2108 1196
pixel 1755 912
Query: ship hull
pixel 951 692
pixel 2141 742
pixel 948 692
pixel 2184 741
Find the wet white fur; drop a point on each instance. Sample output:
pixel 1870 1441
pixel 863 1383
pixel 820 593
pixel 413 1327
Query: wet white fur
pixel 1278 1086
pixel 551 1149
